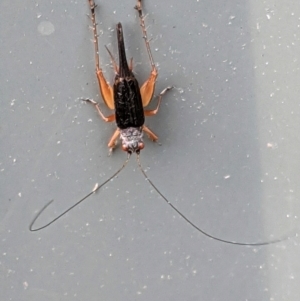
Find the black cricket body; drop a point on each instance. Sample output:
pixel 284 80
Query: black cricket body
pixel 128 101
pixel 127 96
pixel 129 109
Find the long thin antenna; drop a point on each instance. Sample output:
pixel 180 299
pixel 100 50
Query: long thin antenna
pixel 97 187
pixel 196 227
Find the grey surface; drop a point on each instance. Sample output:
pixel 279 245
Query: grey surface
pixel 228 159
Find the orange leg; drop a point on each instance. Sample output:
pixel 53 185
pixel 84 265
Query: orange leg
pixel 150 134
pixel 106 90
pixel 110 118
pixel 154 112
pixel 147 89
pixel 113 140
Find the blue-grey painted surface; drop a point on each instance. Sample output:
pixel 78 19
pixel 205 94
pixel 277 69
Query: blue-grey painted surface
pixel 228 158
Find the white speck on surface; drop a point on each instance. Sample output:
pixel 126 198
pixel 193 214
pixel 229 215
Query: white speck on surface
pixel 180 90
pixel 20 194
pixel 226 177
pixel 268 16
pixel 95 187
pixel 46 28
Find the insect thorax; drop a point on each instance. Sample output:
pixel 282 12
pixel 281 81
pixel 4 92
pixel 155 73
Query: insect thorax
pixel 132 139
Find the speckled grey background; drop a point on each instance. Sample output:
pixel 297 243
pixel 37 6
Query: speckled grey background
pixel 228 159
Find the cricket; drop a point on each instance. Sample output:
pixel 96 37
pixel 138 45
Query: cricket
pixel 129 100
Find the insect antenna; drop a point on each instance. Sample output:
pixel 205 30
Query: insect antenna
pixel 97 187
pixel 200 230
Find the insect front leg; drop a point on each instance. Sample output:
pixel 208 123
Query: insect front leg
pixel 110 118
pixel 154 112
pixel 113 141
pixel 150 134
